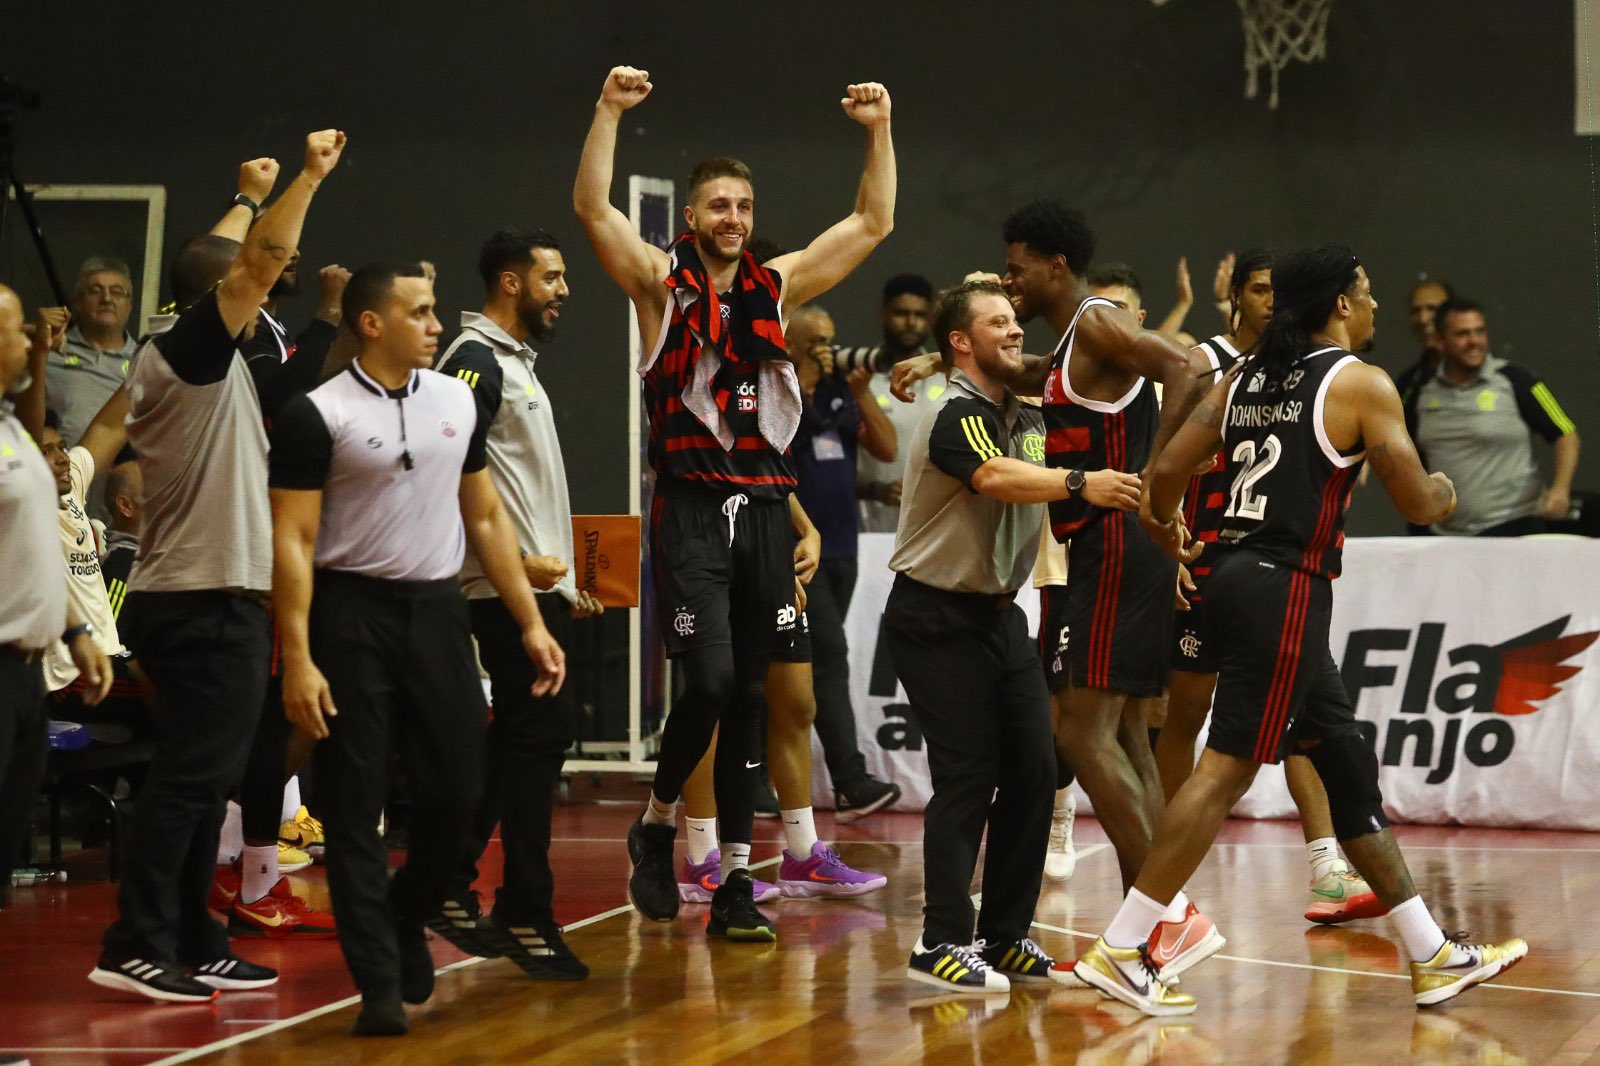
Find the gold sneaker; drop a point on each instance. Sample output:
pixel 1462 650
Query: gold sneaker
pixel 1128 975
pixel 1434 982
pixel 303 833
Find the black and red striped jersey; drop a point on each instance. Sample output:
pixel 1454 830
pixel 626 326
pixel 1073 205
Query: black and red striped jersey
pixel 1290 485
pixel 1207 497
pixel 1084 434
pixel 681 446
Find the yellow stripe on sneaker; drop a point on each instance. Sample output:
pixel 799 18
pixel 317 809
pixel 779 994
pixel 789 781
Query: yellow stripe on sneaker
pixel 959 974
pixel 938 967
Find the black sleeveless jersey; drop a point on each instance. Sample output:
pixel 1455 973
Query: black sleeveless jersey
pixel 1207 497
pixel 1084 434
pixel 1289 485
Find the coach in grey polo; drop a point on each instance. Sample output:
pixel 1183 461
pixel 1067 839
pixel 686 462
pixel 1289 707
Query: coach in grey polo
pixel 524 279
pixel 975 489
pixel 1476 418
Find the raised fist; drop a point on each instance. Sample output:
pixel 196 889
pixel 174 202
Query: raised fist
pixel 257 177
pixel 625 87
pixel 50 328
pixel 867 103
pixel 323 149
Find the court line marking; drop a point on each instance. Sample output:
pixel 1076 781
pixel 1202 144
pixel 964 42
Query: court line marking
pixel 84 1050
pixel 190 1054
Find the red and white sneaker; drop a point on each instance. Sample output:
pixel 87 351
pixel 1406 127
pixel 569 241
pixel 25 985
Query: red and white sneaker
pixel 1065 973
pixel 280 915
pixel 224 888
pixel 1177 946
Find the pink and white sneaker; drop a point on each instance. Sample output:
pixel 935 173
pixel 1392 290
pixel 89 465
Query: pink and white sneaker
pixel 824 875
pixel 1176 946
pixel 698 882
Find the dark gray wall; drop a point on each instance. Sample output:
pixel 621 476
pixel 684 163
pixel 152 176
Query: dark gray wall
pixel 1436 137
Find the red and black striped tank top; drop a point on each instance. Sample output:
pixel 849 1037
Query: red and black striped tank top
pixel 1084 434
pixel 1207 498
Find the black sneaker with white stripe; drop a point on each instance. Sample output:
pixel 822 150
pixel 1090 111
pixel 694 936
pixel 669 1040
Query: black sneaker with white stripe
pixel 955 968
pixel 163 981
pixel 860 798
pixel 536 948
pixel 1019 960
pixel 459 923
pixel 233 974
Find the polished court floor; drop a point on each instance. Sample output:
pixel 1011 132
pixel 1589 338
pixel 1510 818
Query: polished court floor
pixel 832 990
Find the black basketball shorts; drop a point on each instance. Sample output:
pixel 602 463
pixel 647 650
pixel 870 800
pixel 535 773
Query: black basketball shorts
pixel 1119 608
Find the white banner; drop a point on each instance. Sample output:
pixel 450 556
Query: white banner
pixel 1473 665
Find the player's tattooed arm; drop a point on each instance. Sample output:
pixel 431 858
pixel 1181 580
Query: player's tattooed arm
pixel 1363 409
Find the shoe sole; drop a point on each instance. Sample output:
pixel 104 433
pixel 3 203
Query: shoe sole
pixel 234 984
pixel 1115 990
pixel 276 932
pixel 829 890
pixel 646 914
pixel 1476 977
pixel 292 867
pixel 855 814
pixel 966 990
pixel 695 894
pixel 1068 978
pixel 1191 957
pixel 123 983
pixel 1366 905
pixel 1049 875
pixel 745 936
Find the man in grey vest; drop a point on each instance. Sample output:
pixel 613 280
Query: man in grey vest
pixel 975 486
pixel 524 277
pixel 196 612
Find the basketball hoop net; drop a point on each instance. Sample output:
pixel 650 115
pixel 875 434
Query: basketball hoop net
pixel 1276 31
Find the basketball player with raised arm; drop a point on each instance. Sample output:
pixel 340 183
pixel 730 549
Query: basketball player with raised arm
pixel 724 404
pixel 1297 420
pixel 1337 893
pixel 1101 411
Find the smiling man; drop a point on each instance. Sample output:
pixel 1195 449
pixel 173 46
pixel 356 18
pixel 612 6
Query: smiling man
pixel 976 485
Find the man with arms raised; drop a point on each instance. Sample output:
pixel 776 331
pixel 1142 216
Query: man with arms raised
pixel 724 405
pixel 1296 420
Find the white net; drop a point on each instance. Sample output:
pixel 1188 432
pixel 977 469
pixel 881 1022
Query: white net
pixel 1276 31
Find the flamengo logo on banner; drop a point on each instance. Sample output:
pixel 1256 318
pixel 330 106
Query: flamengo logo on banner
pixel 1502 682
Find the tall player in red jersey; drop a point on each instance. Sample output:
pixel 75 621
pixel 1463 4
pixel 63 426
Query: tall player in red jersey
pixel 1297 420
pixel 1337 893
pixel 723 404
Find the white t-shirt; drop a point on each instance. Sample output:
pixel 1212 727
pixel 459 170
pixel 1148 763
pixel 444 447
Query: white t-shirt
pixel 86 587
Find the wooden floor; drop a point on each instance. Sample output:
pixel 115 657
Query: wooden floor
pixel 832 990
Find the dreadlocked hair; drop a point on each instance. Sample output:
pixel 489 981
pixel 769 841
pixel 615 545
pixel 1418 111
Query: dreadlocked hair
pixel 1305 287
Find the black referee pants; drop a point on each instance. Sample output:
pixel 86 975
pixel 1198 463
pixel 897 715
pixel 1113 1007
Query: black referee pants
pixel 528 740
pixel 977 691
pixel 206 654
pixel 24 747
pixel 827 604
pixel 398 659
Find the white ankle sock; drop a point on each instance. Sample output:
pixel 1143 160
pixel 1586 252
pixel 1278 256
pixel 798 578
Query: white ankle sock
pixel 1064 800
pixel 291 800
pixel 1422 935
pixel 658 813
pixel 800 829
pixel 260 869
pixel 231 843
pixel 702 839
pixel 1134 920
pixel 1176 909
pixel 1323 854
pixel 735 857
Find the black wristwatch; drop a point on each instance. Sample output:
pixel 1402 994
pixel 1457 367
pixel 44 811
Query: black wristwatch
pixel 244 201
pixel 1076 479
pixel 73 632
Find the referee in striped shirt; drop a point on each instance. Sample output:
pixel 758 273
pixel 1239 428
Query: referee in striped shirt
pixel 379 483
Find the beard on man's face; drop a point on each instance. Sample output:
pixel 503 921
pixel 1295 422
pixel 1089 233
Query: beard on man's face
pixel 535 321
pixel 288 284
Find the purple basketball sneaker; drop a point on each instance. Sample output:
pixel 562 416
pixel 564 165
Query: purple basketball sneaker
pixel 824 875
pixel 698 882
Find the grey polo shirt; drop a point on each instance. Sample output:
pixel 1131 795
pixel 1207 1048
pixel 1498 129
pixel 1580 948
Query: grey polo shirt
pixel 33 595
pixel 79 379
pixel 524 452
pixel 1480 434
pixel 950 536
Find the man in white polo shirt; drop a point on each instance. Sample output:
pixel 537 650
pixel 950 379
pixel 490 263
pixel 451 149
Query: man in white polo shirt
pixel 378 486
pixel 524 277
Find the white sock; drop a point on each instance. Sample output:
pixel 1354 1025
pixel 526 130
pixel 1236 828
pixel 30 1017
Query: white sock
pixel 1177 909
pixel 658 813
pixel 260 868
pixel 1064 800
pixel 1133 921
pixel 231 843
pixel 702 839
pixel 801 830
pixel 1422 935
pixel 291 800
pixel 734 857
